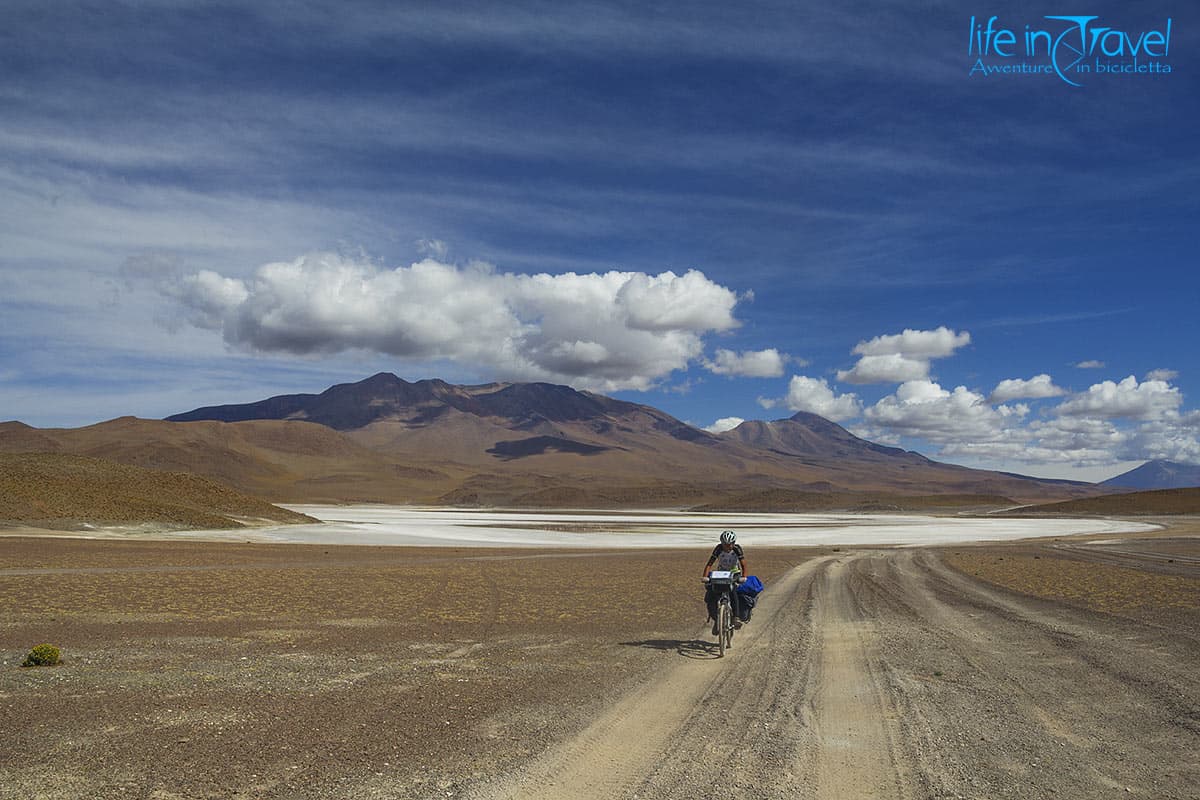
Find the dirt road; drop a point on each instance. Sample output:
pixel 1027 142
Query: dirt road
pixel 884 674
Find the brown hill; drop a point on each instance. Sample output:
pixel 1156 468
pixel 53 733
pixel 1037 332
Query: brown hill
pixel 384 439
pixel 284 460
pixel 17 437
pixel 1160 501
pixel 64 491
pixel 808 436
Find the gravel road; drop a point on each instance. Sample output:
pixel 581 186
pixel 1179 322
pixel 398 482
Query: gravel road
pixel 885 674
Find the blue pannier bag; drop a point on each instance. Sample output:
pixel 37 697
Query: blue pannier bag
pixel 751 586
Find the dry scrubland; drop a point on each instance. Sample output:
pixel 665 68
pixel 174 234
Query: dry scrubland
pixel 1096 578
pixel 285 671
pixel 1156 501
pixel 66 492
pixel 208 670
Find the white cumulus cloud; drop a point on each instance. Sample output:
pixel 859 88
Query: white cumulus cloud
pixel 1059 442
pixel 1020 450
pixel 1093 364
pixel 923 409
pixel 901 357
pixel 670 302
pixel 893 368
pixel 1076 439
pixel 1108 424
pixel 1128 399
pixel 724 424
pixel 1176 438
pixel 207 295
pixel 816 397
pixel 915 344
pixel 753 363
pixel 1037 387
pixel 875 434
pixel 610 331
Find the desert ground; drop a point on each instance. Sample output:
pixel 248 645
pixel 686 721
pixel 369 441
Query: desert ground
pixel 1058 667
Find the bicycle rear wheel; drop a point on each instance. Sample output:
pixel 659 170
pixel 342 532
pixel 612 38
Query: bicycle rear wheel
pixel 724 623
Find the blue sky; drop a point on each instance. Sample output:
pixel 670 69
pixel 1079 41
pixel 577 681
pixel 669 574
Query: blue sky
pixel 728 211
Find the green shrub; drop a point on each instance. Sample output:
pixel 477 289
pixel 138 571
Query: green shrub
pixel 44 655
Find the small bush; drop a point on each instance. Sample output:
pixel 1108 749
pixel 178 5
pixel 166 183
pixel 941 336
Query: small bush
pixel 44 655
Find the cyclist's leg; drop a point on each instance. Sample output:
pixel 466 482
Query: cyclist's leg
pixel 710 600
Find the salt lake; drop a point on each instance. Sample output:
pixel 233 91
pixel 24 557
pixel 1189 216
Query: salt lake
pixel 445 527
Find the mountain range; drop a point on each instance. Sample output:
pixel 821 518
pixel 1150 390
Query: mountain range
pixel 385 439
pixel 1158 474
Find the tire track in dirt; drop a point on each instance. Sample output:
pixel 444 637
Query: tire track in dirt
pixel 669 736
pixel 856 723
pixel 752 720
pixel 1006 696
pixel 799 709
pixel 884 674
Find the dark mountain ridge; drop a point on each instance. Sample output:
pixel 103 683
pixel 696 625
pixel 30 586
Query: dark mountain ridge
pixel 1158 474
pixel 345 406
pixel 556 441
pixel 809 435
pixel 349 406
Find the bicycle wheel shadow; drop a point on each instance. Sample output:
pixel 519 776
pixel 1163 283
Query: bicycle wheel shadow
pixel 691 648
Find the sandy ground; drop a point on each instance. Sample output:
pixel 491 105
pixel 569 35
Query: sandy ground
pixel 1026 670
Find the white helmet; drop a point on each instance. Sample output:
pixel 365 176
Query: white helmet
pixel 728 537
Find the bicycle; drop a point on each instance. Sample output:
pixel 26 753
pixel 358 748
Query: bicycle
pixel 727 582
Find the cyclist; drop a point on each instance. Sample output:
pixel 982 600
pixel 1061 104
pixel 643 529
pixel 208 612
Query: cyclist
pixel 727 556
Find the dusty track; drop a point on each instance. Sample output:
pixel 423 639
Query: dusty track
pixel 884 674
pixel 673 735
